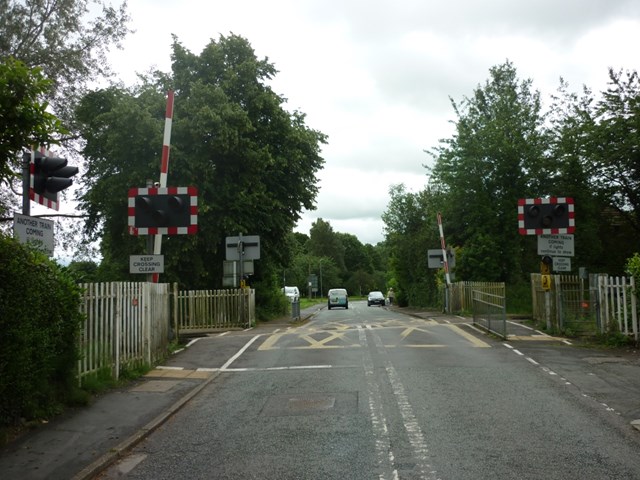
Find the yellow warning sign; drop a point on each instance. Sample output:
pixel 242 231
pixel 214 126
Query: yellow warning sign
pixel 544 268
pixel 546 282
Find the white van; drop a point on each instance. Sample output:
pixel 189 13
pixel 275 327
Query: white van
pixel 292 293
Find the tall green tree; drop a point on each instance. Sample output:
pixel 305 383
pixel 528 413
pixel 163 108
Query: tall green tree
pixel 324 242
pixel 254 163
pixel 594 146
pixel 496 156
pixel 67 39
pixel 571 120
pixel 411 229
pixel 360 275
pixel 614 146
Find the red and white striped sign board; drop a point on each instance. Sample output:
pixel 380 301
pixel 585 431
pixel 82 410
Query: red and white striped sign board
pixel 191 229
pixel 524 204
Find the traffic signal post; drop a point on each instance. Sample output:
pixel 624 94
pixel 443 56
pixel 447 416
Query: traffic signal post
pixel 162 211
pixel 552 220
pixel 44 176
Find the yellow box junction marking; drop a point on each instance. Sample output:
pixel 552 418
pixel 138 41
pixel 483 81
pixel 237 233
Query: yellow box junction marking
pixel 475 341
pixel 310 336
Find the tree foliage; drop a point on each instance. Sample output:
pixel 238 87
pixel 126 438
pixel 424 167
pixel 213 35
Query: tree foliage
pixel 593 148
pixel 411 230
pixel 496 157
pixel 338 260
pixel 24 118
pixel 505 148
pixel 323 242
pixel 67 39
pixel 253 162
pixel 614 145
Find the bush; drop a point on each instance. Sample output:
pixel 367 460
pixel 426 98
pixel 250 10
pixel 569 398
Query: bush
pixel 632 267
pixel 40 324
pixel 519 299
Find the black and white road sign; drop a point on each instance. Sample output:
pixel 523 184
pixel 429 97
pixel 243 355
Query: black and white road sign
pixel 37 231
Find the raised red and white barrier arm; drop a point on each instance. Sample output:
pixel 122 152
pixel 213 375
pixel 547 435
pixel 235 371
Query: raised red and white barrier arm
pixel 164 167
pixel 444 251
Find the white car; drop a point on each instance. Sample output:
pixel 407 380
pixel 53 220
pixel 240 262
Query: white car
pixel 338 297
pixel 292 293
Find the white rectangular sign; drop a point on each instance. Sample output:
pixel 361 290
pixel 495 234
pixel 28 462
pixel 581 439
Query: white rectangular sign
pixel 37 231
pixel 561 264
pixel 556 245
pixel 250 247
pixel 146 263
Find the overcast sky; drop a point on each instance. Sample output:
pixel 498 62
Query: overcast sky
pixel 376 75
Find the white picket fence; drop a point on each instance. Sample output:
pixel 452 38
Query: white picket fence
pixel 128 324
pixel 618 305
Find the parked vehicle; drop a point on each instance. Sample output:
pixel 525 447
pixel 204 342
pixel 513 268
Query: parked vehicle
pixel 292 293
pixel 375 298
pixel 338 297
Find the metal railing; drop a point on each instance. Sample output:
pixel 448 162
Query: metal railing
pixel 201 311
pixel 460 294
pixel 490 313
pixel 126 324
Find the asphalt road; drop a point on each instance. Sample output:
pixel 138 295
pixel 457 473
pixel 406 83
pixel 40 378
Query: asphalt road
pixel 369 393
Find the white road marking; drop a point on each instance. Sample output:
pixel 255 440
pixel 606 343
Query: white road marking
pixel 410 422
pixel 384 452
pixel 240 352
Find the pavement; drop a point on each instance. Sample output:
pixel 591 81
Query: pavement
pixel 83 442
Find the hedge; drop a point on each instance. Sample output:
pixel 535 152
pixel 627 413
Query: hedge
pixel 39 328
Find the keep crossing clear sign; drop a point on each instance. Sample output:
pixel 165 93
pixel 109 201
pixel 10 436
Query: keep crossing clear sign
pixel 146 264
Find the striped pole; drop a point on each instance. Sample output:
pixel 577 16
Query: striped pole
pixel 444 251
pixel 164 167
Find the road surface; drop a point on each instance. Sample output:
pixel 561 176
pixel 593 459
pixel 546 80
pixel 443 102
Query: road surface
pixel 370 393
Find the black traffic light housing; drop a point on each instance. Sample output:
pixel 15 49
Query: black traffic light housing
pixel 553 215
pixel 162 210
pixel 50 175
pixel 547 216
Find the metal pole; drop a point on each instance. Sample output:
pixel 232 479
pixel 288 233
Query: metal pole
pixel 243 317
pixel 150 276
pixel 241 256
pixel 547 308
pixel 26 175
